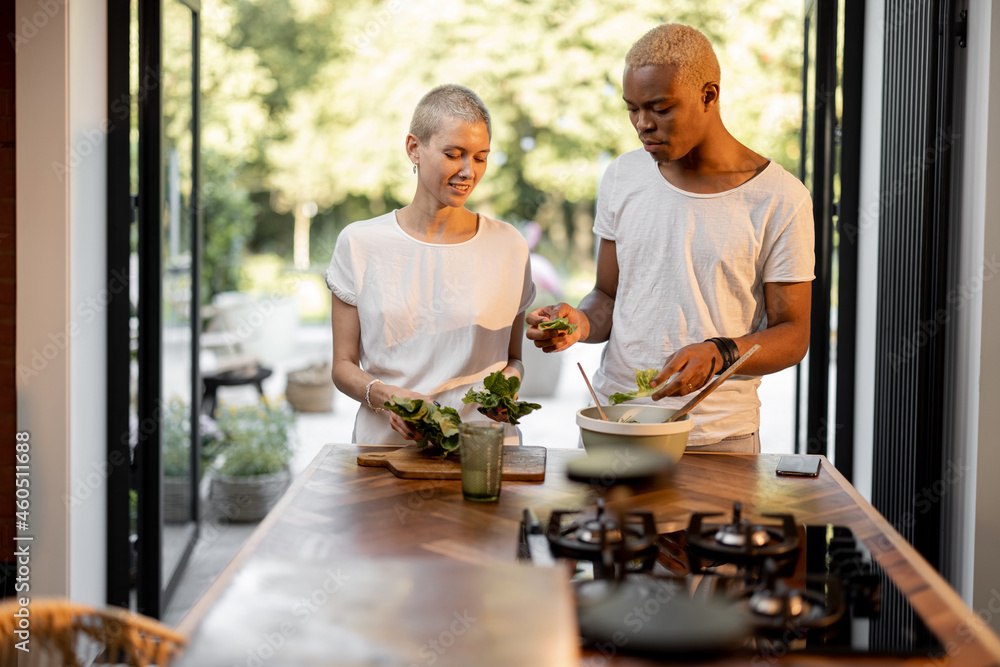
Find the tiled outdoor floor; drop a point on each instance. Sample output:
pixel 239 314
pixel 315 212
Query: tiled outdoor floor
pixel 553 426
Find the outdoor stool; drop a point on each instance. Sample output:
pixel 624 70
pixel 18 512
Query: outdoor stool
pixel 233 378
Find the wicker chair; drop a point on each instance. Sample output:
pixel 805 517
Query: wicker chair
pixel 67 634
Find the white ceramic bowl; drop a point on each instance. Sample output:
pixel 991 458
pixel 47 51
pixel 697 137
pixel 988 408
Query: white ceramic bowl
pixel 652 429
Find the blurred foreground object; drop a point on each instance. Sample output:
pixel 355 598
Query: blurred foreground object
pixel 67 633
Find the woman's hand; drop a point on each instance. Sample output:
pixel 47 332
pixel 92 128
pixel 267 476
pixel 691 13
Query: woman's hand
pixel 497 414
pixel 404 428
pixel 514 369
pixel 554 341
pixel 397 423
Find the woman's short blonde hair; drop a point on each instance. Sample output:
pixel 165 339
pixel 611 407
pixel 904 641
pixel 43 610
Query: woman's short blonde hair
pixel 679 45
pixel 449 100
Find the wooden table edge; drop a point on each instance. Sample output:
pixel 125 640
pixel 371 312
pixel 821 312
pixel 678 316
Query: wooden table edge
pixel 190 622
pixel 935 581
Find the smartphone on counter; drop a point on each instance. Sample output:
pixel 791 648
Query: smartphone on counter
pixel 799 466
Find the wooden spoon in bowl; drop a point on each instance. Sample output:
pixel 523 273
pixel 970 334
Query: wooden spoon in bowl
pixel 592 393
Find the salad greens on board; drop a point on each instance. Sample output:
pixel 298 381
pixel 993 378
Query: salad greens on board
pixel 500 392
pixel 438 425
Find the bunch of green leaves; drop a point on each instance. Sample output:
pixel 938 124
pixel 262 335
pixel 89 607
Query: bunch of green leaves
pixel 437 425
pixel 501 392
pixel 642 380
pixel 558 324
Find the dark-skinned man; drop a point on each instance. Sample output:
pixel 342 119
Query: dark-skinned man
pixel 705 249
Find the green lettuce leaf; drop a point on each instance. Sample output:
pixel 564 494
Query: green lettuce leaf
pixel 558 324
pixel 499 392
pixel 438 425
pixel 642 380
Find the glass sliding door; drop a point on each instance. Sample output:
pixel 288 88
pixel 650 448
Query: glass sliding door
pixel 178 254
pixel 164 273
pixel 831 136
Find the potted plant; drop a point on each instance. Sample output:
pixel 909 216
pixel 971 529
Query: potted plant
pixel 252 470
pixel 176 433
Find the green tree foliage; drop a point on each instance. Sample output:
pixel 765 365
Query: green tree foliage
pixel 235 124
pixel 229 216
pixel 347 76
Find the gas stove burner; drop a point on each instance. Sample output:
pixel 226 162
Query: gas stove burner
pixel 776 608
pixel 740 532
pixel 808 589
pixel 780 602
pixel 613 545
pixel 594 531
pixel 731 536
pixel 821 594
pixel 741 541
pixel 805 603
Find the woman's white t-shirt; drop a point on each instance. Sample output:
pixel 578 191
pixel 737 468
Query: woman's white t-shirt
pixel 435 318
pixel 692 267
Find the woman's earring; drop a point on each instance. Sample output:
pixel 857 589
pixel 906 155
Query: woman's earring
pixel 414 167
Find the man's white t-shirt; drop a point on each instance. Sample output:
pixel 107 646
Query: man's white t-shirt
pixel 692 267
pixel 435 318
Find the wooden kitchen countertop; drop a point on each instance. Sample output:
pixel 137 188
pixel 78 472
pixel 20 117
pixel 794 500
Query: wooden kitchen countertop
pixel 336 512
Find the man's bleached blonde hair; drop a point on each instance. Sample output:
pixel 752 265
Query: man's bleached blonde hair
pixel 682 46
pixel 448 100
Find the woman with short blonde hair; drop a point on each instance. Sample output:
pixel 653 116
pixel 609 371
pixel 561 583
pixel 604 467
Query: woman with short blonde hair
pixel 429 299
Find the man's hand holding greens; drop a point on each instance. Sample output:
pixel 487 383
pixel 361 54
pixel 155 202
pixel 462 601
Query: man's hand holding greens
pixel 558 338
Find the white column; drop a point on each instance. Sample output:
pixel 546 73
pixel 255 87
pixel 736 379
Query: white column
pixel 43 276
pixel 980 282
pixel 90 292
pixel 868 224
pixel 61 95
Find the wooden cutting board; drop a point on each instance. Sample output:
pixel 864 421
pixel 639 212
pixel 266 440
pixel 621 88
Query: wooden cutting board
pixel 520 463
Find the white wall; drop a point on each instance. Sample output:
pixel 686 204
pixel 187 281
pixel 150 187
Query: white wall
pixel 89 293
pixel 868 222
pixel 968 320
pixel 43 275
pixel 61 72
pixel 981 274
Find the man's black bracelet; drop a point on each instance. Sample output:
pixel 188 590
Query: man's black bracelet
pixel 734 352
pixel 723 351
pixel 727 349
